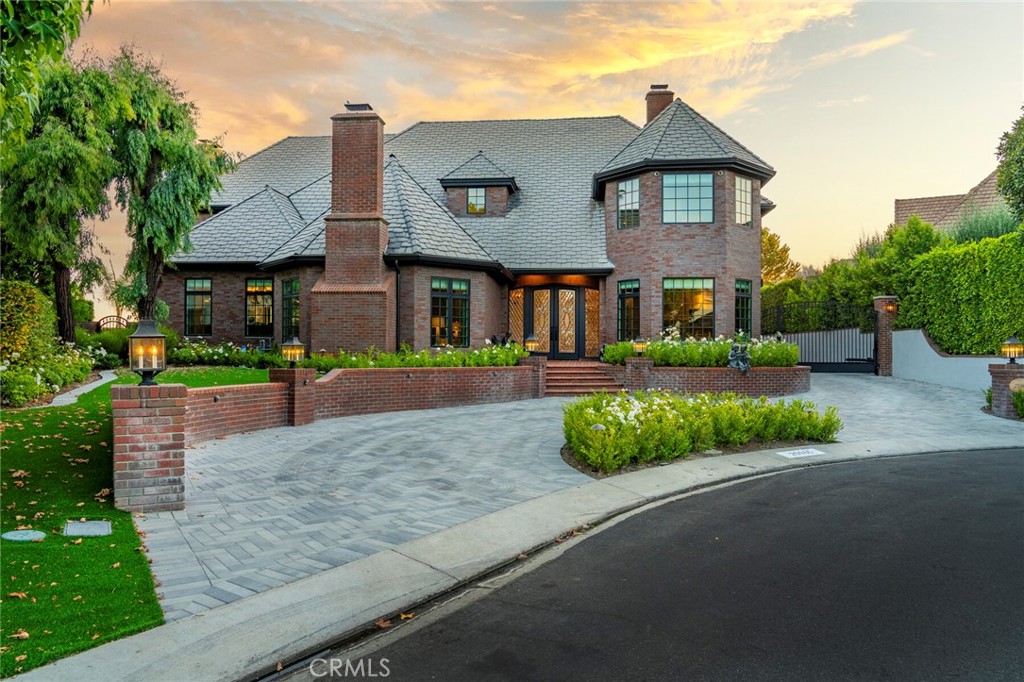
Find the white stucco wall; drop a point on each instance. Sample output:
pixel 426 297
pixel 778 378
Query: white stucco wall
pixel 913 358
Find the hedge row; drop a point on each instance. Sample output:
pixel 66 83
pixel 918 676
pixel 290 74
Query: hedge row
pixel 970 297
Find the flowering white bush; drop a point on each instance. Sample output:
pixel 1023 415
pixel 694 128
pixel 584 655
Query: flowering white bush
pixel 612 431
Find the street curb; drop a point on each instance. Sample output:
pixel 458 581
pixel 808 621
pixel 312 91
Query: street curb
pixel 248 639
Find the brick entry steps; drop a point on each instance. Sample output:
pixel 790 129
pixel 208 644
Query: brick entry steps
pixel 578 377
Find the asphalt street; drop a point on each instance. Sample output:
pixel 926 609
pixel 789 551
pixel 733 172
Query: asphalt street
pixel 907 568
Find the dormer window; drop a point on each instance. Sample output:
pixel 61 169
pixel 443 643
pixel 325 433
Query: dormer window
pixel 476 201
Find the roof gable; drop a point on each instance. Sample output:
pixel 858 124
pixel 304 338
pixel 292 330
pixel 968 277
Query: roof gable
pixel 479 171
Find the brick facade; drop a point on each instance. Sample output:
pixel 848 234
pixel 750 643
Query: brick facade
pixel 653 251
pixel 227 293
pixel 495 202
pixel 487 298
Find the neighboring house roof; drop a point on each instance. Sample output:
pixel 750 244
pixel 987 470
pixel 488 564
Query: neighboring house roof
pixel 680 137
pixel 928 209
pixel 479 172
pixel 982 197
pixel 944 211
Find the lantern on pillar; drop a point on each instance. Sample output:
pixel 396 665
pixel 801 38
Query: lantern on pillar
pixel 147 352
pixel 293 351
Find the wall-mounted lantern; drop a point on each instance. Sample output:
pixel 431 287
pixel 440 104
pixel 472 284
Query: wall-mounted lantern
pixel 891 306
pixel 639 345
pixel 531 344
pixel 1013 349
pixel 294 351
pixel 147 352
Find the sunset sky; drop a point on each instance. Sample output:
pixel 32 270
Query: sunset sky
pixel 853 103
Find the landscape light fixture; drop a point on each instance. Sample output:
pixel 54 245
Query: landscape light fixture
pixel 1013 349
pixel 639 345
pixel 531 344
pixel 147 352
pixel 293 351
pixel 890 306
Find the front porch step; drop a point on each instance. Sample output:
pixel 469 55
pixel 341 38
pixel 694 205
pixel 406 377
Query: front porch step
pixel 569 378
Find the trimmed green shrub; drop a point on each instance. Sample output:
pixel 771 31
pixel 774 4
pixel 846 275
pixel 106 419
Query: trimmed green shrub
pixel 228 354
pixel 671 352
pixel 616 353
pixel 968 296
pixel 609 432
pixel 1018 402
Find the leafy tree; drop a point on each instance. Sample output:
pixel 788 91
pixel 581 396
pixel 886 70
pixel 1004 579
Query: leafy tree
pixel 57 177
pixel 776 265
pixel 165 175
pixel 34 32
pixel 1010 180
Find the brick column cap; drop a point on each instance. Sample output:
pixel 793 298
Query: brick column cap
pixel 350 115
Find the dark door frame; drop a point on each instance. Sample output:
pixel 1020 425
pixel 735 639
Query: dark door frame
pixel 553 325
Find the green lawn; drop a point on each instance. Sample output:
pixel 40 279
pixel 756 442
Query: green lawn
pixel 64 595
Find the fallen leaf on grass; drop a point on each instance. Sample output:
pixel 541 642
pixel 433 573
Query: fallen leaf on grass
pixel 80 504
pixel 382 624
pixel 76 542
pixel 20 634
pixel 77 598
pixel 117 565
pixel 20 473
pixel 96 636
pixel 17 595
pixel 21 658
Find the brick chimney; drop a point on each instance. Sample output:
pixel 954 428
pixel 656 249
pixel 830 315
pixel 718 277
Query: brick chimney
pixel 357 162
pixel 658 98
pixel 353 303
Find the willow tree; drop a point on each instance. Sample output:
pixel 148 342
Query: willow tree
pixel 57 177
pixel 164 173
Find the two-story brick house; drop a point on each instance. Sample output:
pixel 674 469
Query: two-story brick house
pixel 578 231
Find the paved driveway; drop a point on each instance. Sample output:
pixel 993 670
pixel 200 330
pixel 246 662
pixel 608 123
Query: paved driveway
pixel 271 507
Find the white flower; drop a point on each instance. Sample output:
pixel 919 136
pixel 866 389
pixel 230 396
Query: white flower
pixel 15 356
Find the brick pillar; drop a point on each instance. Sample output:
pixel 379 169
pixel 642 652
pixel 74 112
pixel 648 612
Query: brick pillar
pixel 638 371
pixel 301 393
pixel 540 373
pixel 887 309
pixel 149 447
pixel 1002 374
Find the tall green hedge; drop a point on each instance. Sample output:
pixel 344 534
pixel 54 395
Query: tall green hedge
pixel 970 297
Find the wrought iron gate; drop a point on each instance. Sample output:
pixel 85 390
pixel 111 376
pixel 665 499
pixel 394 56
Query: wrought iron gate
pixel 832 336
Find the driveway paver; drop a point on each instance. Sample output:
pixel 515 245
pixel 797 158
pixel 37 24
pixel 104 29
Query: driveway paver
pixel 271 507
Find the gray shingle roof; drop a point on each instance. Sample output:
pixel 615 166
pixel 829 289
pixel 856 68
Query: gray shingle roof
pixel 551 222
pixel 418 225
pixel 680 134
pixel 286 165
pixel 244 232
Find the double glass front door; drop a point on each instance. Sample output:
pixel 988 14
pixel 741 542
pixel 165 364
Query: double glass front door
pixel 564 319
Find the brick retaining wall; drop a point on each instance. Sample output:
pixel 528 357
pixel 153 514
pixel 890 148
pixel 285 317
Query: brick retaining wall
pixel 220 411
pixel 640 374
pixel 345 392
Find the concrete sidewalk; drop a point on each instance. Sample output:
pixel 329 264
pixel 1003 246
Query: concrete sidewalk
pixel 249 636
